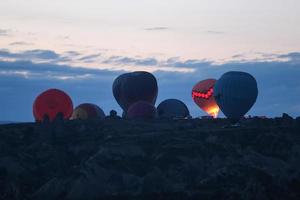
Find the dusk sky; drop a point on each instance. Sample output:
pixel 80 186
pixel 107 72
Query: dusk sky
pixel 81 46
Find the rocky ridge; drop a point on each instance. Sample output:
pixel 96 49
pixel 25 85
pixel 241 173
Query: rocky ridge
pixel 158 159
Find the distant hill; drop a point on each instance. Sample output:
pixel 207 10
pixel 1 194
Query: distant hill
pixel 159 159
pixel 6 122
pixel 12 122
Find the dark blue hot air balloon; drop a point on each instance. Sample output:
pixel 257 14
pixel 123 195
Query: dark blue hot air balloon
pixel 172 108
pixel 133 87
pixel 235 93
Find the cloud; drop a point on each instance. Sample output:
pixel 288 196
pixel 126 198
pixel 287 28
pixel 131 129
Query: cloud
pixel 131 61
pixel 174 62
pixel 20 44
pixel 41 54
pixel 48 71
pixel 158 28
pixel 292 57
pixel 112 62
pixel 193 64
pixel 148 64
pixel 36 55
pixel 5 32
pixel 215 32
pixel 238 56
pixel 90 58
pixel 64 37
pixel 30 54
pixel 72 53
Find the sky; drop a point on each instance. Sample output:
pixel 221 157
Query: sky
pixel 82 46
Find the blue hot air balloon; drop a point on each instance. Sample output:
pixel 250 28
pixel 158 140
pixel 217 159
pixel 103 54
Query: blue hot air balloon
pixel 172 108
pixel 235 93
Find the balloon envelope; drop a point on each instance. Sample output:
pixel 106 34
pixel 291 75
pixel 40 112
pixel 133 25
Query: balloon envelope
pixel 141 110
pixel 50 103
pixel 136 86
pixel 202 94
pixel 235 93
pixel 171 108
pixel 88 111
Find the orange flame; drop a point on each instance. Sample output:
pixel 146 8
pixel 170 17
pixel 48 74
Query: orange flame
pixel 213 111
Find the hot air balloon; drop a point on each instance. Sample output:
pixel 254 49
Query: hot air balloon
pixel 141 110
pixel 136 86
pixel 51 103
pixel 88 111
pixel 235 92
pixel 202 94
pixel 172 108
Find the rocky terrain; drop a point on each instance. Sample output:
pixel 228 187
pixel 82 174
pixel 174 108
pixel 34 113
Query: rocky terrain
pixel 158 159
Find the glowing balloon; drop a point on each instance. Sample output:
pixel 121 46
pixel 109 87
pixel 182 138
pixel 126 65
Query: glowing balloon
pixel 141 110
pixel 235 93
pixel 202 94
pixel 172 108
pixel 136 86
pixel 88 111
pixel 50 103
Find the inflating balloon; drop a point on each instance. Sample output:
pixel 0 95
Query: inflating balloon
pixel 136 86
pixel 51 103
pixel 172 108
pixel 202 94
pixel 235 92
pixel 88 111
pixel 141 110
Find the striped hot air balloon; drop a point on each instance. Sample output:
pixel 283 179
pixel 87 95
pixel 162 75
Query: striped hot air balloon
pixel 202 94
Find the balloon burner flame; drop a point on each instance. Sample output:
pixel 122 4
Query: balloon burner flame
pixel 213 111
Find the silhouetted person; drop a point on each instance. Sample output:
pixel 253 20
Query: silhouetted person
pixel 46 119
pixel 113 115
pixel 59 117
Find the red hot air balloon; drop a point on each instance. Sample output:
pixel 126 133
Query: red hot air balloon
pixel 202 94
pixel 88 111
pixel 50 103
pixel 141 110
